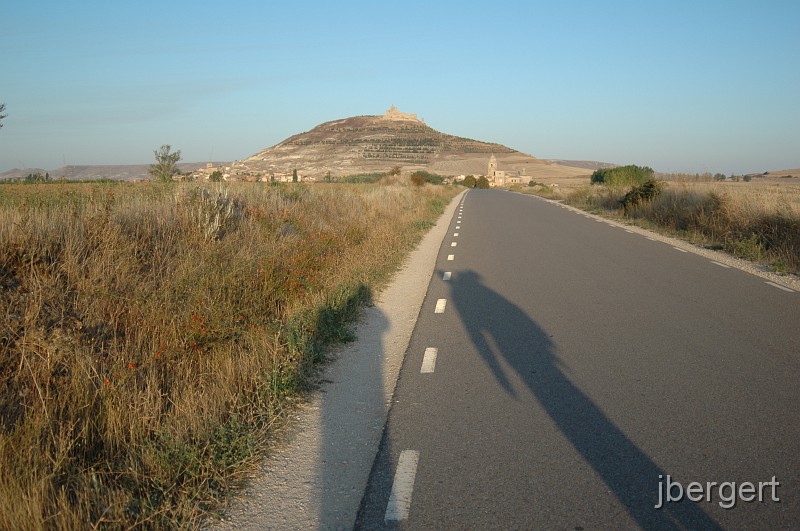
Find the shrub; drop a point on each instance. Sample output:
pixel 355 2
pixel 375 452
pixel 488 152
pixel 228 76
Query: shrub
pixel 421 177
pixel 622 175
pixel 469 181
pixel 361 178
pixel 417 179
pixel 482 182
pixel 647 191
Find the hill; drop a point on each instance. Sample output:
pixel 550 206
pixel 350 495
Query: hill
pixel 372 144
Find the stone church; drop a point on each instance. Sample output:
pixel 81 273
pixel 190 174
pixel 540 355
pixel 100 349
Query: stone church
pixel 498 177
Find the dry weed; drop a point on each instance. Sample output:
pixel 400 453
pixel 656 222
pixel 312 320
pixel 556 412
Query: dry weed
pixel 151 334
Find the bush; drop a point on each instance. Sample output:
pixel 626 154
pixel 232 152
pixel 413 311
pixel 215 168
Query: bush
pixel 469 181
pixel 421 177
pixel 482 182
pixel 623 175
pixel 361 178
pixel 645 192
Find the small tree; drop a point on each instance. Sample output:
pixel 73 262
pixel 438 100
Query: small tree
pixel 166 166
pixel 482 182
pixel 294 175
pixel 622 175
pixel 215 177
pixel 395 171
pixel 2 108
pixel 469 181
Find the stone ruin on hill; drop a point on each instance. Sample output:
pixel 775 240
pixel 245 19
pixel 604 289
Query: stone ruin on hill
pixel 397 116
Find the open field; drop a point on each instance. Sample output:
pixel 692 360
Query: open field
pixel 757 220
pixel 152 335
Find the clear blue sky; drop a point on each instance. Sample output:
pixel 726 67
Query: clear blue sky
pixel 695 85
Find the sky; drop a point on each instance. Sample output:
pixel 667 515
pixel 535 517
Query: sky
pixel 681 86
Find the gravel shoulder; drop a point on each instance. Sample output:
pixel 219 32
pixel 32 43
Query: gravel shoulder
pixel 316 476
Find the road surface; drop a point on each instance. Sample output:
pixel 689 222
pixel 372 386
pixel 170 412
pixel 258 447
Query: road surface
pixel 567 374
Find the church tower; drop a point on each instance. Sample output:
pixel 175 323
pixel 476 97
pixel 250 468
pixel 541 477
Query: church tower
pixel 492 167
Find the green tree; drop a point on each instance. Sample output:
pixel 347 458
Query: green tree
pixel 216 176
pixel 166 166
pixel 294 175
pixel 469 181
pixel 482 182
pixel 623 175
pixel 2 108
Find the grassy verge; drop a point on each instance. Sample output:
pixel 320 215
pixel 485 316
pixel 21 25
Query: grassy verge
pixel 151 335
pixel 755 221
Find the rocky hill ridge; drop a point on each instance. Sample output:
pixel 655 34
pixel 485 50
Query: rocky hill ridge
pixel 368 144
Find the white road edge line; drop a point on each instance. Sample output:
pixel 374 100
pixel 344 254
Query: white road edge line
pixel 447 275
pixel 402 487
pixel 451 256
pixel 429 360
pixel 679 249
pixel 720 264
pixel 454 244
pixel 440 306
pixel 455 235
pixel 774 285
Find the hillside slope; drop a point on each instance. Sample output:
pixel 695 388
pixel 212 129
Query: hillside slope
pixel 368 144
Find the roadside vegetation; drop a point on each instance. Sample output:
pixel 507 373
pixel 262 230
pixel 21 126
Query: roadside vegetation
pixel 757 221
pixel 154 334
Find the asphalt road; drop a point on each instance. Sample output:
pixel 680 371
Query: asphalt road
pixel 577 366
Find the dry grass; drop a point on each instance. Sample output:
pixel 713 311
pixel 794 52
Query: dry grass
pixel 758 220
pixel 150 335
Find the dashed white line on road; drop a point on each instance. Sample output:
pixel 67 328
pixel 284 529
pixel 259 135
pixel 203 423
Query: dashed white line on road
pixel 720 264
pixel 440 305
pixel 453 244
pixel 629 231
pixel 679 249
pixel 455 235
pixel 429 360
pixel 447 275
pixel 651 239
pixel 774 285
pixel 451 256
pixel 402 487
pixel 458 226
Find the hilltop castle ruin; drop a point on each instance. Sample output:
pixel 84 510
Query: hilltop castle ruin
pixel 397 116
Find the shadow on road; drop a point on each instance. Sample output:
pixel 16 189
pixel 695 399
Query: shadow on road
pixel 506 336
